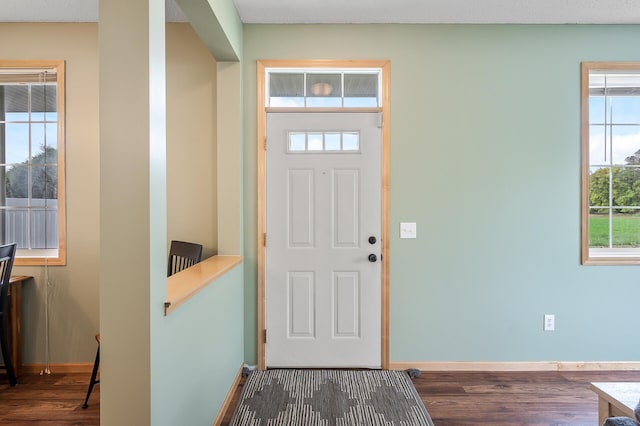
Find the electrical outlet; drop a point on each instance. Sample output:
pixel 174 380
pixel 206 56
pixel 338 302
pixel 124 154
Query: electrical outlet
pixel 408 230
pixel 549 322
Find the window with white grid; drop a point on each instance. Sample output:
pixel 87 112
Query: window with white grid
pixel 32 161
pixel 323 88
pixel 611 163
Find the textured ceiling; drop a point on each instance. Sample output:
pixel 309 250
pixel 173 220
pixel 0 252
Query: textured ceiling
pixel 362 11
pixel 439 11
pixel 64 11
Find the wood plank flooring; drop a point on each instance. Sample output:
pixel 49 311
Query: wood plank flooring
pixel 48 400
pixel 507 399
pixel 452 398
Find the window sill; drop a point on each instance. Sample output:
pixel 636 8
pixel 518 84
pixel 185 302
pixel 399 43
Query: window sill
pixel 612 256
pixel 185 284
pixel 40 257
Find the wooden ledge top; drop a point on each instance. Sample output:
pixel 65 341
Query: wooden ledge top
pixel 19 278
pixel 185 284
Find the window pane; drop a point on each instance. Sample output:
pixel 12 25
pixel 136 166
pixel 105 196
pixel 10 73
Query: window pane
pixel 286 102
pixel 297 141
pixel 51 133
pixel 286 90
pixel 361 90
pixel 350 141
pixel 625 144
pixel 44 182
pixel 598 152
pixel 626 228
pixel 625 110
pixel 599 229
pixel 332 141
pixel 324 102
pixel 17 142
pixel 596 109
pixel 599 188
pixel 44 228
pixel 17 226
pixel 16 99
pixel 361 85
pixel 324 85
pixel 315 141
pixel 286 85
pixel 37 142
pixel 17 182
pixel 361 102
pixel 626 187
pixel 44 135
pixel 52 103
pixel 43 102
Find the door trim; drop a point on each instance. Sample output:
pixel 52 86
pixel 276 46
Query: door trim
pixel 261 113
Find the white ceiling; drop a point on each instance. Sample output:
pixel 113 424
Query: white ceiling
pixel 362 11
pixel 440 11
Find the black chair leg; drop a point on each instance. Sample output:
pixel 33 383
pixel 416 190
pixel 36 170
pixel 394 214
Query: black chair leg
pixel 6 352
pixel 93 380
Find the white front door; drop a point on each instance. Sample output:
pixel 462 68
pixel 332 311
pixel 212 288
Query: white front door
pixel 323 226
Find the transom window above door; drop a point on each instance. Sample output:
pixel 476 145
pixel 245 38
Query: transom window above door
pixel 323 88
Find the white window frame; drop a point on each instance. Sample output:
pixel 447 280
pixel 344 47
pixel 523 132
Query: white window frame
pixel 51 256
pixel 315 71
pixel 600 255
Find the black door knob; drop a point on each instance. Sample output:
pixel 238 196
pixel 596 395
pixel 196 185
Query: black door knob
pixel 372 240
pixel 373 257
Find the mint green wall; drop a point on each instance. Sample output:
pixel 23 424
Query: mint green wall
pixel 199 354
pixel 485 149
pixel 197 350
pixel 218 26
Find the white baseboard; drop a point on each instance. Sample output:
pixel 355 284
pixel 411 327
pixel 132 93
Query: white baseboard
pixel 517 366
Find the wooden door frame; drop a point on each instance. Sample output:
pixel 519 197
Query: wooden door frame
pixel 385 67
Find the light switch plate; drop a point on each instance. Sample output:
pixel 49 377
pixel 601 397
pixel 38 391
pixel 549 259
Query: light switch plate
pixel 408 230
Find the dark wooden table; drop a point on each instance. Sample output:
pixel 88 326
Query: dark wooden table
pixel 15 320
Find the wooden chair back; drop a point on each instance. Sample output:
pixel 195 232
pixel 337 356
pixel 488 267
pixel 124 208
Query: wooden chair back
pixel 183 255
pixel 7 256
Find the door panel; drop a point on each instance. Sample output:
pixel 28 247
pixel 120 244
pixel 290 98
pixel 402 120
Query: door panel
pixel 346 304
pixel 301 304
pixel 301 220
pixel 345 208
pixel 323 294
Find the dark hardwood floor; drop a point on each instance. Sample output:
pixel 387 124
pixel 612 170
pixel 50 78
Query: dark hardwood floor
pixel 452 398
pixel 48 400
pixel 513 398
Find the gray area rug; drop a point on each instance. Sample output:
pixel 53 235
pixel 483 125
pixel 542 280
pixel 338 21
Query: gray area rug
pixel 330 397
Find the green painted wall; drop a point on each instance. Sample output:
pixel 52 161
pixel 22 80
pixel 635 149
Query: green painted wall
pixel 485 149
pixel 198 354
pixel 218 26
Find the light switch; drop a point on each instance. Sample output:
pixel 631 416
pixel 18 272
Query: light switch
pixel 408 230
